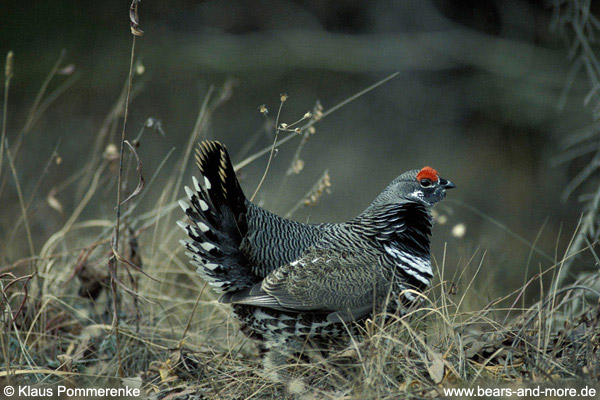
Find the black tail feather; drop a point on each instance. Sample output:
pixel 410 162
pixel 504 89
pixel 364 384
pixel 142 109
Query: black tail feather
pixel 218 214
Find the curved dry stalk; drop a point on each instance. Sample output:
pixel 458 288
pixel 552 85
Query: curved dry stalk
pixel 272 152
pixel 339 105
pixel 113 261
pixel 8 72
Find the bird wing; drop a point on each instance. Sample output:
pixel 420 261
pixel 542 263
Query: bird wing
pixel 342 285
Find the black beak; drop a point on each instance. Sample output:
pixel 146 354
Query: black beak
pixel 446 184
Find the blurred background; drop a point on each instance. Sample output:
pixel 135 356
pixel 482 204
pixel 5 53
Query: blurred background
pixel 481 96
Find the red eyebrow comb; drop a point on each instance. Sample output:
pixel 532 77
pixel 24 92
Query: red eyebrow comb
pixel 428 173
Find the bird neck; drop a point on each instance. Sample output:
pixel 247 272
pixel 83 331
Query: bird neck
pixel 404 226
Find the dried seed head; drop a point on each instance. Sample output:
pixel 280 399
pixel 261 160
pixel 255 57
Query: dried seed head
pixel 134 19
pixel 297 166
pixel 318 111
pixel 284 97
pixel 263 109
pixel 326 181
pixel 311 130
pixel 307 115
pixel 439 218
pixel 8 67
pixel 54 203
pixel 459 230
pixel 321 187
pixel 139 68
pixel 137 31
pixel 283 125
pixel 452 288
pixel 66 70
pixel 111 152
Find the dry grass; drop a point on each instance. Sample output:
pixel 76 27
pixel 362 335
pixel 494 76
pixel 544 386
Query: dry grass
pixel 174 338
pixel 62 298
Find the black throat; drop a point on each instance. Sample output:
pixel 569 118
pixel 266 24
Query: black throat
pixel 406 226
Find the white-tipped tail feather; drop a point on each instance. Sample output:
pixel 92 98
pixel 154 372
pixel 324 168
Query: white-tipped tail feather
pixel 216 211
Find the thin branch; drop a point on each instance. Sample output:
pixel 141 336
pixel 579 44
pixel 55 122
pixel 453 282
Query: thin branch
pixel 21 201
pixel 42 91
pixel 114 262
pixel 8 72
pixel 341 104
pixel 189 321
pixel 272 152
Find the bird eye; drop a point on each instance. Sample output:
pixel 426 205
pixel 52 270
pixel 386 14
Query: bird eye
pixel 425 182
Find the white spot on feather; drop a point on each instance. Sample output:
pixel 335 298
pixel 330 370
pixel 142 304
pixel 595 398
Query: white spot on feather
pixel 182 225
pixel 420 264
pixel 189 192
pixel 189 244
pixel 196 185
pixel 408 262
pixel 207 246
pixel 416 275
pixel 203 205
pixel 187 253
pixel 207 183
pixel 184 206
pixel 201 270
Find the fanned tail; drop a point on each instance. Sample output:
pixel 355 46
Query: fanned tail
pixel 218 214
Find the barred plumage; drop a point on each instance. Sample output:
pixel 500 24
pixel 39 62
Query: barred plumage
pixel 287 280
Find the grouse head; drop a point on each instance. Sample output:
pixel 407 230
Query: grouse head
pixel 423 186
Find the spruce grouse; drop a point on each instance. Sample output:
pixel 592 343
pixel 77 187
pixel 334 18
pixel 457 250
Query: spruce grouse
pixel 290 281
